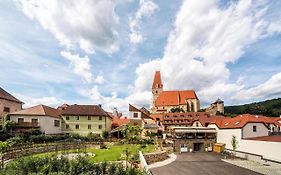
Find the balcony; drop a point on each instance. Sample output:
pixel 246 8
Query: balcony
pixel 28 125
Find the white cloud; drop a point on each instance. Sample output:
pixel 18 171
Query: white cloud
pixel 146 9
pixel 204 40
pixel 91 24
pixel 99 79
pixel 32 101
pixel 81 65
pixel 270 88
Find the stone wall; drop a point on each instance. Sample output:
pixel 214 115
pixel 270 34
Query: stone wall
pixel 156 157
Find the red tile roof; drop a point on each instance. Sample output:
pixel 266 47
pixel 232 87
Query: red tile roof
pixel 7 96
pixel 39 110
pixel 119 122
pixel 157 80
pixel 174 98
pixel 267 138
pixel 241 120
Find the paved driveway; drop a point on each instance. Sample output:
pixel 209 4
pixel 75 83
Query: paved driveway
pixel 200 163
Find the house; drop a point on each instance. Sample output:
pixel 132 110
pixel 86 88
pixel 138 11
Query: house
pixel 253 135
pixel 43 117
pixel 166 101
pixel 8 104
pixel 85 119
pixel 135 117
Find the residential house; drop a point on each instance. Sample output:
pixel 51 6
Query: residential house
pixel 43 117
pixel 252 134
pixel 85 119
pixel 165 101
pixel 8 104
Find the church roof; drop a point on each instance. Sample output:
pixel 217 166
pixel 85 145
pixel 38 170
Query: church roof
pixel 174 98
pixel 157 80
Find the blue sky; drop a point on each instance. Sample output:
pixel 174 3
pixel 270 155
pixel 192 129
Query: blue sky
pixel 106 52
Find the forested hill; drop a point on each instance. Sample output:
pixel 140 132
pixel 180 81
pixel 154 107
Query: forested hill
pixel 270 108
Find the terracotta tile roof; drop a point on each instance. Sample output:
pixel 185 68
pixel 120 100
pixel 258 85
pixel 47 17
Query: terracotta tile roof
pixel 7 96
pixel 84 110
pixel 267 138
pixel 189 118
pixel 157 80
pixel 174 98
pixel 241 120
pixel 155 116
pixel 39 110
pixel 119 122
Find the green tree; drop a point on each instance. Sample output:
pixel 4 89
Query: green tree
pixel 234 144
pixel 131 133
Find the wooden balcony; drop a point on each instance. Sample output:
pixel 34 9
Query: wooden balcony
pixel 28 125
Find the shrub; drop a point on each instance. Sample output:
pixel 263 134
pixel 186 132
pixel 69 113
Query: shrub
pixel 105 134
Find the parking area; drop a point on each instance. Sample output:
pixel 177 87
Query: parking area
pixel 200 163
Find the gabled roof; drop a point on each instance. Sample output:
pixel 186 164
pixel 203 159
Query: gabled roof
pixel 84 110
pixel 7 96
pixel 240 121
pixel 39 110
pixel 134 109
pixel 157 82
pixel 174 98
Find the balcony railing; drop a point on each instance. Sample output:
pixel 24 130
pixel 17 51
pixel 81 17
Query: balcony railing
pixel 28 124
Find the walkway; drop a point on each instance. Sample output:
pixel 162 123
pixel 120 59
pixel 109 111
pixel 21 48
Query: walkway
pixel 257 167
pixel 200 163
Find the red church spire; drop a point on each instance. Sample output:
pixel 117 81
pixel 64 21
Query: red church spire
pixel 157 83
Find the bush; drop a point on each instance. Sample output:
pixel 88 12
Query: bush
pixel 105 134
pixel 60 165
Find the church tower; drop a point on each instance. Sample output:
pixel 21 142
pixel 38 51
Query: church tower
pixel 157 88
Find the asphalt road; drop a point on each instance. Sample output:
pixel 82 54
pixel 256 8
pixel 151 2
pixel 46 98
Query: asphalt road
pixel 200 163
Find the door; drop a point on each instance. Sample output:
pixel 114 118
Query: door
pixel 198 146
pixel 183 148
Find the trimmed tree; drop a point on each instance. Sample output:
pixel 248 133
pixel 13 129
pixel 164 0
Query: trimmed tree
pixel 234 144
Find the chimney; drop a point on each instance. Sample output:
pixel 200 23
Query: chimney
pixel 100 105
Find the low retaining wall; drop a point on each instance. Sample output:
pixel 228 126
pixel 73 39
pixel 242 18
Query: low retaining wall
pixel 156 157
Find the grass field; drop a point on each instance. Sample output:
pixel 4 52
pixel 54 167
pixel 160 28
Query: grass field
pixel 112 153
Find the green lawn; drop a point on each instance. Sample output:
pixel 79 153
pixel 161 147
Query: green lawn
pixel 112 153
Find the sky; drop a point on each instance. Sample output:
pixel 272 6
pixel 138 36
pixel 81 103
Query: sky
pixel 107 51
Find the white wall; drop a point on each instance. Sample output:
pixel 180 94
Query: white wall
pixel 131 115
pixel 268 150
pixel 225 135
pixel 247 131
pixel 46 123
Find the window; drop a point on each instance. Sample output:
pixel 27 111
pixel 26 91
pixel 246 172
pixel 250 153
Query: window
pixel 6 109
pixel 76 117
pixel 237 123
pixel 89 117
pixel 76 126
pixel 135 115
pixel 67 126
pixel 34 120
pixel 226 124
pixel 100 126
pixel 67 117
pixel 254 128
pixel 100 117
pixel 56 123
pixel 197 124
pixel 20 120
pixel 89 126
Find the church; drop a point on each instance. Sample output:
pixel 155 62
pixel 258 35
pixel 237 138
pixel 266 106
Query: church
pixel 169 101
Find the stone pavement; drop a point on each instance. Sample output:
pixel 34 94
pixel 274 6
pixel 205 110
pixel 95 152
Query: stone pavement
pixel 172 157
pixel 257 167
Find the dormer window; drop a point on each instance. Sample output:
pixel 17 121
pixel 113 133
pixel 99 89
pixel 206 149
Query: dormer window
pixel 237 123
pixel 226 124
